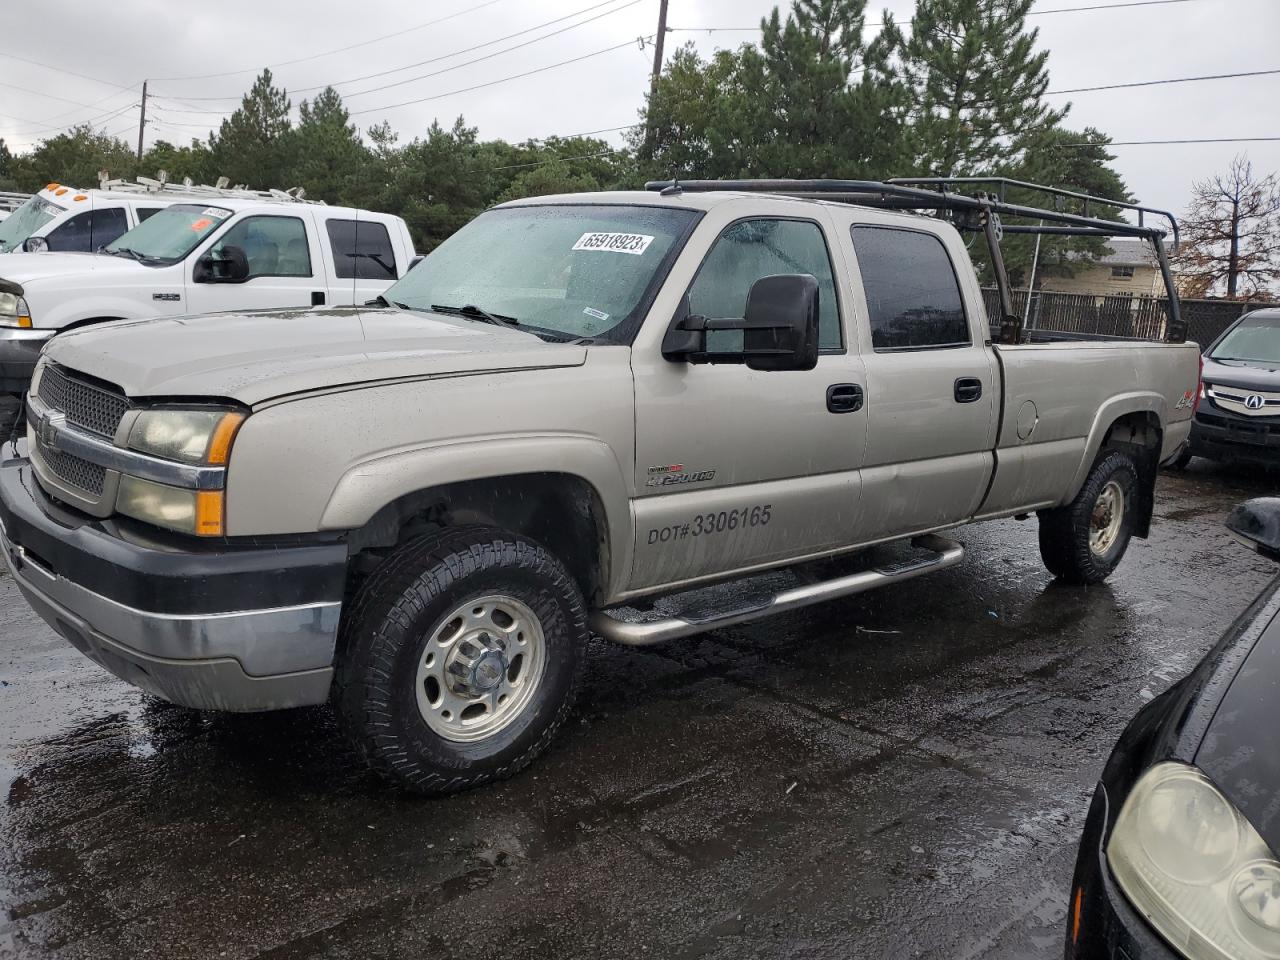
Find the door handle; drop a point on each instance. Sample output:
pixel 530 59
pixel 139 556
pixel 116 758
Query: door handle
pixel 968 390
pixel 317 298
pixel 844 398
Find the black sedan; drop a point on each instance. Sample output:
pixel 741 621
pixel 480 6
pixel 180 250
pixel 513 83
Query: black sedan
pixel 1238 417
pixel 1178 857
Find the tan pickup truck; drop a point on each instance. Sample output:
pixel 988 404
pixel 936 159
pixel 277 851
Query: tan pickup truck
pixel 572 417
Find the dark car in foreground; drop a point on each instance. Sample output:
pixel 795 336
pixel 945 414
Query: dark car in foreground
pixel 1238 417
pixel 1178 857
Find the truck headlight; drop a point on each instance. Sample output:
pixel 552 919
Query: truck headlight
pixel 14 311
pixel 198 436
pixel 189 436
pixel 1199 872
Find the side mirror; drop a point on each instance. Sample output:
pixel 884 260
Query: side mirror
pixel 1256 524
pixel 35 245
pixel 779 331
pixel 231 267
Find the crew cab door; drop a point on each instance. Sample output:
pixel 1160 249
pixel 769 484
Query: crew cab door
pixel 736 467
pixel 360 257
pixel 932 382
pixel 284 266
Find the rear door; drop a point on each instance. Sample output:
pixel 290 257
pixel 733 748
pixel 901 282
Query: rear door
pixel 89 229
pixel 364 262
pixel 932 383
pixel 284 266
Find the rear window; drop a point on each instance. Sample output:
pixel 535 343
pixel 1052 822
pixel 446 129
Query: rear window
pixel 87 231
pixel 913 296
pixel 361 250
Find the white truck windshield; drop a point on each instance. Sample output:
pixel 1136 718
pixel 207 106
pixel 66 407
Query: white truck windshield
pixel 169 235
pixel 573 269
pixel 25 221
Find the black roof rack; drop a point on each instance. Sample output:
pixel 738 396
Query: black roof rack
pixel 978 211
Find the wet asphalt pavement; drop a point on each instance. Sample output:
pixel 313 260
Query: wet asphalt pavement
pixel 900 774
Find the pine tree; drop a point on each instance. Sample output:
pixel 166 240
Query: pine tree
pixel 978 83
pixel 331 158
pixel 250 147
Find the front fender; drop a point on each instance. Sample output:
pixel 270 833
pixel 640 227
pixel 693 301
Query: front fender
pixel 1139 401
pixel 88 306
pixel 372 484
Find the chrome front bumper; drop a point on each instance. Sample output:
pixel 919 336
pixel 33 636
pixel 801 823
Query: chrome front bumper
pixel 261 658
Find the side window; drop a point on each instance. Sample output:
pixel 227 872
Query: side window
pixel 913 296
pixel 86 232
pixel 751 249
pixel 361 250
pixel 274 246
pixel 146 213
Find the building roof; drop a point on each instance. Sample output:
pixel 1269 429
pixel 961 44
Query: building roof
pixel 1127 252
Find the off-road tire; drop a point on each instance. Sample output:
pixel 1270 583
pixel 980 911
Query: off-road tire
pixel 1064 531
pixel 389 624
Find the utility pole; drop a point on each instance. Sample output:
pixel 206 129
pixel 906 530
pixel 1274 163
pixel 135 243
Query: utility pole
pixel 657 47
pixel 142 116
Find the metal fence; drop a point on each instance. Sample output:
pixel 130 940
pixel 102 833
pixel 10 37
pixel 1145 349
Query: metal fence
pixel 1120 315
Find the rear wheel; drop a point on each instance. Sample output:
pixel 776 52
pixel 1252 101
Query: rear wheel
pixel 1085 540
pixel 462 657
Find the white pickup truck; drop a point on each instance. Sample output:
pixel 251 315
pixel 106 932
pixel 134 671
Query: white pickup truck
pixel 574 406
pixel 226 250
pixel 68 219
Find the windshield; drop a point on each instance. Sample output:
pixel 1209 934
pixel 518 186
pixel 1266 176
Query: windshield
pixel 1256 338
pixel 575 270
pixel 25 221
pixel 171 234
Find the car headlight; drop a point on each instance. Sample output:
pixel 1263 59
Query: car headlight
pixel 1199 872
pixel 200 437
pixel 14 311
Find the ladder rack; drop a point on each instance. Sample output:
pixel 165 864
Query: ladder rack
pixel 12 201
pixel 186 188
pixel 979 211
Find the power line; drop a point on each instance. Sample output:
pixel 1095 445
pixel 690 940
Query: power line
pixel 328 53
pixel 447 56
pixel 492 83
pixel 82 76
pixel 1156 83
pixel 1033 13
pixel 496 53
pixel 1147 143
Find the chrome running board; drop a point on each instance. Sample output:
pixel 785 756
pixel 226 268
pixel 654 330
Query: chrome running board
pixel 942 552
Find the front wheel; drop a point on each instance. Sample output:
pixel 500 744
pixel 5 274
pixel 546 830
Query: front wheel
pixel 1084 541
pixel 462 656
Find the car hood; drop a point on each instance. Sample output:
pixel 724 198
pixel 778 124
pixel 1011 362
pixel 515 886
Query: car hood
pixel 1239 750
pixel 25 268
pixel 1246 374
pixel 258 355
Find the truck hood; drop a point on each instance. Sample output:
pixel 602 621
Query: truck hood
pixel 25 268
pixel 259 355
pixel 1246 374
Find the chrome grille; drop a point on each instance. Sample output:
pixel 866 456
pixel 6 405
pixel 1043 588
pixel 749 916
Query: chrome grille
pixel 78 473
pixel 86 405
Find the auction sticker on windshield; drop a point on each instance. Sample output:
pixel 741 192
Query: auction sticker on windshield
pixel 633 243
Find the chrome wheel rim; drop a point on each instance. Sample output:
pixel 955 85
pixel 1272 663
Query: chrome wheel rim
pixel 1108 515
pixel 481 666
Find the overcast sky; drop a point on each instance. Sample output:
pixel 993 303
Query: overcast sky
pixel 131 39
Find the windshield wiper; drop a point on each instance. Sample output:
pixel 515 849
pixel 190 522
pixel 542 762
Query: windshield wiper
pixel 381 301
pixel 130 252
pixel 472 312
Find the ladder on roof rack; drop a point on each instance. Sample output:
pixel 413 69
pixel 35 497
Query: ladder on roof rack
pixel 10 201
pixel 162 185
pixel 977 212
